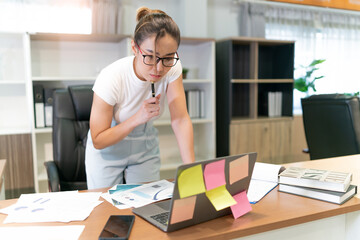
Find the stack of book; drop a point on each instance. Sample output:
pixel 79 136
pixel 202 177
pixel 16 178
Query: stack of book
pixel 323 185
pixel 195 103
pixel 43 106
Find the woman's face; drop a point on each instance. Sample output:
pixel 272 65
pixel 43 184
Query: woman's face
pixel 165 47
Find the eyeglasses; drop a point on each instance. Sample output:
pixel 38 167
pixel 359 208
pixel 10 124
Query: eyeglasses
pixel 150 60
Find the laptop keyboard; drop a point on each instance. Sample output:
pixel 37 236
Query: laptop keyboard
pixel 161 218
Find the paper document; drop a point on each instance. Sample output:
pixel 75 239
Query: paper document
pixel 42 232
pixel 52 207
pixel 115 191
pixel 145 194
pixel 263 180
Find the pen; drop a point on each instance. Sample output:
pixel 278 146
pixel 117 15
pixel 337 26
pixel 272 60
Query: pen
pixel 153 89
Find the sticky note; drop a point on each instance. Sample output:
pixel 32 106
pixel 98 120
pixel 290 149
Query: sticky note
pixel 214 174
pixel 220 198
pixel 238 169
pixel 183 209
pixel 191 181
pixel 242 206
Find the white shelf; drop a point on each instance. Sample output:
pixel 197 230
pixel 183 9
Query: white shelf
pixel 59 78
pixel 11 82
pixel 43 130
pixel 186 81
pixel 42 176
pixel 15 130
pixel 167 122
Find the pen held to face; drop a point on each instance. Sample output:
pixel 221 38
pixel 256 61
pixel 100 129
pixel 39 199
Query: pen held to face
pixel 153 89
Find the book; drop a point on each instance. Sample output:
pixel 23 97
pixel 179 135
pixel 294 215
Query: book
pixel 316 178
pixel 39 105
pixel 263 179
pixel 324 195
pixel 48 106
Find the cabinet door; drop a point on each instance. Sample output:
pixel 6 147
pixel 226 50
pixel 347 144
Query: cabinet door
pixel 270 139
pixel 19 175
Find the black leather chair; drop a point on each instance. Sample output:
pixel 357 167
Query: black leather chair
pixel 71 114
pixel 332 125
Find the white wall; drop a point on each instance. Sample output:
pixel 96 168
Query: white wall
pixel 195 18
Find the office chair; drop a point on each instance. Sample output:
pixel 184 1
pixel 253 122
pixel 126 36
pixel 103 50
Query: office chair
pixel 71 114
pixel 332 125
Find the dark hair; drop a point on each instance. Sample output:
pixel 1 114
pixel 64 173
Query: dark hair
pixel 156 22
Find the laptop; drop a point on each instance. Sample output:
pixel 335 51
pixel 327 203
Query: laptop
pixel 195 186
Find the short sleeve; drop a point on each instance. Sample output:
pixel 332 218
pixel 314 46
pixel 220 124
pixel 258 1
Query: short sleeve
pixel 105 87
pixel 175 72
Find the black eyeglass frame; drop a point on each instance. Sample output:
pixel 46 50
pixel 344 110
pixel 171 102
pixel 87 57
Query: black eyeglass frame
pixel 158 58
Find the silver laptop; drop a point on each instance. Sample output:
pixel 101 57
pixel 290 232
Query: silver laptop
pixel 189 205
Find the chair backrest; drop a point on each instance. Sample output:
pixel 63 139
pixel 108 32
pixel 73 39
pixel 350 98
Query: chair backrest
pixel 71 114
pixel 332 125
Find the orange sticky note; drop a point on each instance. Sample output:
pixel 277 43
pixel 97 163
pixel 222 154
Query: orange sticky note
pixel 238 169
pixel 183 209
pixel 191 181
pixel 220 198
pixel 214 174
pixel 243 206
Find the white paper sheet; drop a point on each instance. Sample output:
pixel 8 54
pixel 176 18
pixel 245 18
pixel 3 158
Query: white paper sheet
pixel 146 194
pixel 52 207
pixel 42 232
pixel 263 180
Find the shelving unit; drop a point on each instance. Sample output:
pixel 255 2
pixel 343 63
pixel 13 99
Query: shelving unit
pixel 60 60
pixel 247 69
pixel 15 115
pixel 14 109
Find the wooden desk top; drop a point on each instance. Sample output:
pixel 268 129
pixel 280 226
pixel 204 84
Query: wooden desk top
pixel 276 210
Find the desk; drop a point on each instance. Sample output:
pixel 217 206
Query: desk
pixel 275 215
pixel 2 173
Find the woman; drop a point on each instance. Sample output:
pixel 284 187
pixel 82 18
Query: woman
pixel 122 142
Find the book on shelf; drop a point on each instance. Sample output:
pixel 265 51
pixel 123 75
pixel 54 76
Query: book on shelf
pixel 320 194
pixel 48 106
pixel 274 104
pixel 195 102
pixel 39 105
pixel 316 178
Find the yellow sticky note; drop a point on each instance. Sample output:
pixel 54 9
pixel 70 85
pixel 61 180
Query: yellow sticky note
pixel 191 181
pixel 220 198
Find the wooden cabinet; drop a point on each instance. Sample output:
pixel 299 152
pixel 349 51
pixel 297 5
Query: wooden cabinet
pixel 248 71
pixel 271 139
pixel 19 175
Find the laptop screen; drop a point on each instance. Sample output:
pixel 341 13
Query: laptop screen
pixel 210 189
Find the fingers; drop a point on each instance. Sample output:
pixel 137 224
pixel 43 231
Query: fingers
pixel 154 100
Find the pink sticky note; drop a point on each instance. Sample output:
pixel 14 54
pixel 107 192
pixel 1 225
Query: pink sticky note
pixel 214 174
pixel 243 206
pixel 238 169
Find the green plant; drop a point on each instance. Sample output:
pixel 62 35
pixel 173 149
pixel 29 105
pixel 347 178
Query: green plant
pixel 307 81
pixel 184 72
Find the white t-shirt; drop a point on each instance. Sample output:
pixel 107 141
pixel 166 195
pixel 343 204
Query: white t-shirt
pixel 118 86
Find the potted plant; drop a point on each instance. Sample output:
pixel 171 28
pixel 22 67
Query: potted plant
pixel 307 81
pixel 184 72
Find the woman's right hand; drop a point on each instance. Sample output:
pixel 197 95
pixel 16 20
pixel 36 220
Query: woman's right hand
pixel 149 109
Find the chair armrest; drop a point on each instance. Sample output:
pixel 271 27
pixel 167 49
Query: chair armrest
pixel 53 176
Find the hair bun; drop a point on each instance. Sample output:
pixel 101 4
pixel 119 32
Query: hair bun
pixel 143 11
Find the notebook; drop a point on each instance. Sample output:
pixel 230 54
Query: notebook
pixel 202 191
